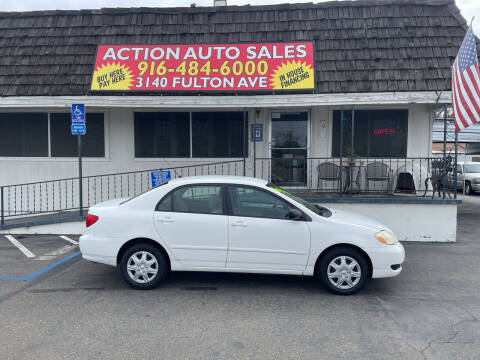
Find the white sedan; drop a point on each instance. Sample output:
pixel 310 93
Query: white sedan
pixel 237 224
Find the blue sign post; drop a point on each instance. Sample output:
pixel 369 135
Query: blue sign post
pixel 78 119
pixel 256 132
pixel 160 177
pixel 79 129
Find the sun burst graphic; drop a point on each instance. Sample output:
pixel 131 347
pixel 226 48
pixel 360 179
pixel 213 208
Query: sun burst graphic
pixel 112 77
pixel 292 75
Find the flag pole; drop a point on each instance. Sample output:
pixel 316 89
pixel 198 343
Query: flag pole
pixel 455 168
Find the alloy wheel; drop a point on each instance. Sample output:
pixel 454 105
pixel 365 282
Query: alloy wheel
pixel 142 267
pixel 344 272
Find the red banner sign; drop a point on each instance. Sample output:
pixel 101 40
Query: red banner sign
pixel 233 67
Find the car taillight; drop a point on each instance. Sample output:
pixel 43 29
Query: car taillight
pixel 91 219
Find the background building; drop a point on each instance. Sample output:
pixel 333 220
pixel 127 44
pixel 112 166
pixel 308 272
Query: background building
pixel 468 140
pixel 384 65
pixel 369 55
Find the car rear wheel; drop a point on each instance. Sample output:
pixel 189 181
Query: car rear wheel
pixel 343 270
pixel 468 189
pixel 143 266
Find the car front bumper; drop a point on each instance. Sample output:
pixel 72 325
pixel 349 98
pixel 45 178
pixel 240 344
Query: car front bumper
pixel 387 260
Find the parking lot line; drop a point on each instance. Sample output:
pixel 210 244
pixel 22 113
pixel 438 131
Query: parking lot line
pixel 34 275
pixel 20 247
pixel 66 238
pixel 54 254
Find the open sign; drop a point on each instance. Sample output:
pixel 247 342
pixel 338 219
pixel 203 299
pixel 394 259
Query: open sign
pixel 384 131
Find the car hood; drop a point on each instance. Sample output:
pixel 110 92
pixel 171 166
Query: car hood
pixel 348 217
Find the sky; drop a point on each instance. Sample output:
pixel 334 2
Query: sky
pixel 469 8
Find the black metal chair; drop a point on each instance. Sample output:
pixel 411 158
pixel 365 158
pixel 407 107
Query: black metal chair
pixel 378 172
pixel 328 172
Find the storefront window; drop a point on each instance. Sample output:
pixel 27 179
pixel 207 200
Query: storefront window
pixel 23 134
pixel 376 133
pixel 218 134
pixel 162 134
pixel 214 134
pixel 64 144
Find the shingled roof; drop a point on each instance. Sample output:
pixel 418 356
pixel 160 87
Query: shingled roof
pixel 360 46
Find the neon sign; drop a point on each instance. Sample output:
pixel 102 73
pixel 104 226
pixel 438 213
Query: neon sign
pixel 384 132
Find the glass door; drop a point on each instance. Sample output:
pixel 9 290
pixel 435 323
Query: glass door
pixel 289 139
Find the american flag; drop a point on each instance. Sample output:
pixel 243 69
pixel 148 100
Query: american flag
pixel 466 84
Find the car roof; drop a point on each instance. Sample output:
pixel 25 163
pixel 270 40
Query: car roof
pixel 219 179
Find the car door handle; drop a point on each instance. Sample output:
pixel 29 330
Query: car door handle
pixel 239 224
pixel 166 220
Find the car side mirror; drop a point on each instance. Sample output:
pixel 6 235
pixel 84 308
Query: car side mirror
pixel 459 172
pixel 294 214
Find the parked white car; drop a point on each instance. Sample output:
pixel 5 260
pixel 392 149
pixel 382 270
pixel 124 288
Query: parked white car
pixel 237 224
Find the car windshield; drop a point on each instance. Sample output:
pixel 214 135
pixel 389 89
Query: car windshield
pixel 317 209
pixel 472 168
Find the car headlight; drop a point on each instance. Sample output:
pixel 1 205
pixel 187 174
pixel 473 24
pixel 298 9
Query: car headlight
pixel 386 237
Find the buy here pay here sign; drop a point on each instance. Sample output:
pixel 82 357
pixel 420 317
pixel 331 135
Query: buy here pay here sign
pixel 216 67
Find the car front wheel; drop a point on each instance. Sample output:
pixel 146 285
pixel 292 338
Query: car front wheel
pixel 343 270
pixel 143 266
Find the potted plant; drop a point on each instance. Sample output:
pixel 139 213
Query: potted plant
pixel 351 156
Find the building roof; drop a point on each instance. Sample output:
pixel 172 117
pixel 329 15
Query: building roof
pixel 360 46
pixel 468 135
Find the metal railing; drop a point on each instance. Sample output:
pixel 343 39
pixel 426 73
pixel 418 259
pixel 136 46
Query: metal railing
pixel 330 176
pixel 417 176
pixel 61 195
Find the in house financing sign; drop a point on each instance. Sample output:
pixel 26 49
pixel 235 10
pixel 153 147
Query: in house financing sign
pixel 234 67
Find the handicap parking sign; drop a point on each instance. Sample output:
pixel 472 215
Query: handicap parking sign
pixel 160 177
pixel 78 119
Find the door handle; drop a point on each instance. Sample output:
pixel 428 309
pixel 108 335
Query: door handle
pixel 239 224
pixel 166 220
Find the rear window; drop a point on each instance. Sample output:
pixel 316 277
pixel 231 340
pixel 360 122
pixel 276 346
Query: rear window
pixel 144 192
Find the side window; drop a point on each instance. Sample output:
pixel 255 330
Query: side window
pixel 165 204
pixel 248 201
pixel 200 199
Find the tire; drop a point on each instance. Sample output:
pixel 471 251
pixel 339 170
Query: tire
pixel 143 279
pixel 468 189
pixel 344 257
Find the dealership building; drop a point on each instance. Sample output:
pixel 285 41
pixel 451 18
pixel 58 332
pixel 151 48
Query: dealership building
pixel 275 90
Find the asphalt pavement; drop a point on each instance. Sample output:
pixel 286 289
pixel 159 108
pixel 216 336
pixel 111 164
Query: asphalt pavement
pixel 82 310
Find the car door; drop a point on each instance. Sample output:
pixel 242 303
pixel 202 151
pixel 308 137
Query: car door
pixel 460 176
pixel 192 222
pixel 260 237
